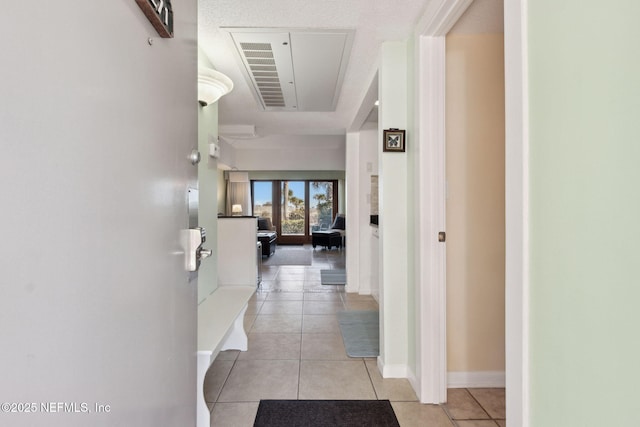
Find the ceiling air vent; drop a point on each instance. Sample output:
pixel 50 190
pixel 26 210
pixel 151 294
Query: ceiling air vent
pixel 294 70
pixel 259 57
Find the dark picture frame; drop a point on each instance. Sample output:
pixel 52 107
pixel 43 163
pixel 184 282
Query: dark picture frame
pixel 160 14
pixel 393 140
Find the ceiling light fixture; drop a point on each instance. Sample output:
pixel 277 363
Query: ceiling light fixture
pixel 212 85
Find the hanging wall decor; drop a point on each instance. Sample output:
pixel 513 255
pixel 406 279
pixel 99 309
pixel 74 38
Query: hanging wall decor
pixel 160 14
pixel 393 140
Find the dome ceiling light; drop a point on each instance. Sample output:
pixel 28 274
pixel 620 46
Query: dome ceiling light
pixel 212 85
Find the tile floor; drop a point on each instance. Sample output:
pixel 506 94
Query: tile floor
pixel 296 352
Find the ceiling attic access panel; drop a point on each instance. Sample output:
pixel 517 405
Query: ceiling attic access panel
pixel 268 68
pixel 294 70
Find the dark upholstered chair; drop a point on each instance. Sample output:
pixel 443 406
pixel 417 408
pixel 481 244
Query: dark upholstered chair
pixel 334 236
pixel 267 236
pixel 339 223
pixel 265 224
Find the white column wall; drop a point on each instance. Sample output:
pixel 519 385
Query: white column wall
pixel 393 216
pixel 369 147
pixel 362 256
pixel 353 211
pixel 516 213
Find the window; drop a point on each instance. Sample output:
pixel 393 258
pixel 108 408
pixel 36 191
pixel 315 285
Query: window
pixel 293 206
pixel 262 192
pixel 320 205
pixel 296 208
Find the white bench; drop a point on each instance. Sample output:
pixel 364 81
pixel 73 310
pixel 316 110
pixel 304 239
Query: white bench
pixel 220 327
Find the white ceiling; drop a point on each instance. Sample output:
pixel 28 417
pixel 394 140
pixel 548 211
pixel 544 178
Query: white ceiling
pixel 373 21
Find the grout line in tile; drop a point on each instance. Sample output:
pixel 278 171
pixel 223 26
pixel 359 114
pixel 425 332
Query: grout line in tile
pixel 375 392
pixel 324 258
pixel 479 404
pixel 224 383
pixel 446 411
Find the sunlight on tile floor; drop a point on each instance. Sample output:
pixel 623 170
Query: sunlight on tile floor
pixel 296 352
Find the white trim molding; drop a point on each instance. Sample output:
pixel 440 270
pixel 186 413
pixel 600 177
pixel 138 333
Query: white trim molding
pixel 352 184
pixel 392 371
pixel 475 379
pixel 431 265
pixel 441 16
pixel 431 332
pixel 517 211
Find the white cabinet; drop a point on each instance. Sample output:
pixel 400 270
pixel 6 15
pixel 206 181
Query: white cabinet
pixel 237 261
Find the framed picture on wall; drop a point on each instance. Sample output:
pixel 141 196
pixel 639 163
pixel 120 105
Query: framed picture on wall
pixel 393 140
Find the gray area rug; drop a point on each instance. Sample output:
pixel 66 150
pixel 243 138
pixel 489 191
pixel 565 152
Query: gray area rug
pixel 325 413
pixel 289 256
pixel 360 332
pixel 333 277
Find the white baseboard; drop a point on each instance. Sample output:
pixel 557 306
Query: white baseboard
pixel 471 379
pixel 392 371
pixel 415 384
pixel 364 291
pixel 350 288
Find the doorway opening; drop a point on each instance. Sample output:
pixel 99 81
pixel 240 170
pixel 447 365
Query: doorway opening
pixel 296 208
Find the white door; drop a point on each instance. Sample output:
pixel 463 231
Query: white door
pixel 97 315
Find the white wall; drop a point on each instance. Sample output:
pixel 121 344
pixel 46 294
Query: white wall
pixel 352 190
pixel 237 251
pixel 304 159
pixel 221 192
pixel 288 152
pixel 293 175
pixel 227 158
pixel 95 128
pixel 516 219
pixel 369 146
pixel 394 226
pixel 289 157
pixel 208 191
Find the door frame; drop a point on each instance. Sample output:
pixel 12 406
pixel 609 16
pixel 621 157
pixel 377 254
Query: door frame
pixel 431 301
pixel 517 211
pixel 276 196
pixel 430 271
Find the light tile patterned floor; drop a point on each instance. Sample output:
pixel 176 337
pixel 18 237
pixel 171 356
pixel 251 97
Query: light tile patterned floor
pixel 296 352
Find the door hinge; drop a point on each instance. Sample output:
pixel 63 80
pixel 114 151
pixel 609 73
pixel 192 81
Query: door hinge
pixel 442 237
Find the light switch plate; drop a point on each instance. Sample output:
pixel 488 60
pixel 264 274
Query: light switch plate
pixel 214 150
